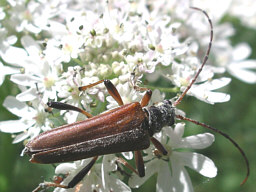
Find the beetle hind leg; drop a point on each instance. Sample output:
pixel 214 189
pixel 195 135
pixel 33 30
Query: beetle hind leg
pixel 76 179
pixel 82 173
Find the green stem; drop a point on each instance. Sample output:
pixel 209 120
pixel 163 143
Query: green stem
pixel 78 62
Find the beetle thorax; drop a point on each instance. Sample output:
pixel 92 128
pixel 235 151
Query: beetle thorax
pixel 160 115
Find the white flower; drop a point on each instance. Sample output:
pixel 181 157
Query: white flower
pixel 6 48
pixel 172 175
pixel 30 16
pixel 6 70
pixel 39 73
pixel 115 21
pixel 204 91
pixel 244 10
pixel 32 119
pixel 68 92
pixel 205 84
pixel 222 52
pixel 241 68
pixel 165 44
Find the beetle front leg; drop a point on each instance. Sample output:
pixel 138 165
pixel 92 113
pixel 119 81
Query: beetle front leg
pixel 159 146
pixel 65 106
pixel 78 177
pixel 146 98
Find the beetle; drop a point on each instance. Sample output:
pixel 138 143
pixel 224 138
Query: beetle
pixel 129 127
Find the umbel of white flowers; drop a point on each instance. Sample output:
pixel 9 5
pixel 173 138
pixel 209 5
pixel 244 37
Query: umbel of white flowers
pixel 67 44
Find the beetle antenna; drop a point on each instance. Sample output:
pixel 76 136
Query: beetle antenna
pixel 227 137
pixel 177 102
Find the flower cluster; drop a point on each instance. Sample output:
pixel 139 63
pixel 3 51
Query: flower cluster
pixel 51 47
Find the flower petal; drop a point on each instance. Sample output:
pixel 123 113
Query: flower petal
pixel 204 91
pixel 216 97
pixel 6 70
pixel 14 106
pixel 108 165
pixel 128 155
pixel 13 126
pixel 150 169
pixel 198 162
pixel 241 52
pixel 244 75
pixel 28 95
pixel 20 56
pixel 247 64
pixel 179 129
pixel 217 83
pixel 241 70
pixel 64 168
pixel 209 96
pixel 199 141
pixel 24 79
pixel 175 134
pixel 21 137
pixel 30 45
pixel 164 177
pixel 180 179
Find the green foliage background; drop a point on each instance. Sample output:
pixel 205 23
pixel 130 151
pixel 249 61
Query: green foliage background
pixel 237 118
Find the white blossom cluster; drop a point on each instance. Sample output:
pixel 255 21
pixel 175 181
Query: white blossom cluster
pixel 51 47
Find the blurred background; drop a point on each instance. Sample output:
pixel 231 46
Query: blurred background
pixel 236 117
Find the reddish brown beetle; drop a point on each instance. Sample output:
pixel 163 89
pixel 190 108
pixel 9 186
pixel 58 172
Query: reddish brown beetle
pixel 127 128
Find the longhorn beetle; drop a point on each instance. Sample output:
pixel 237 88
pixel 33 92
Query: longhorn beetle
pixel 129 127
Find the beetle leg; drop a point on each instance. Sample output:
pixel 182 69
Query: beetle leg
pixel 134 80
pixel 139 163
pixel 65 106
pixel 89 86
pixel 159 146
pixel 139 160
pixel 78 177
pixel 82 173
pixel 47 185
pixel 110 87
pixel 113 92
pixel 126 164
pixel 146 98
